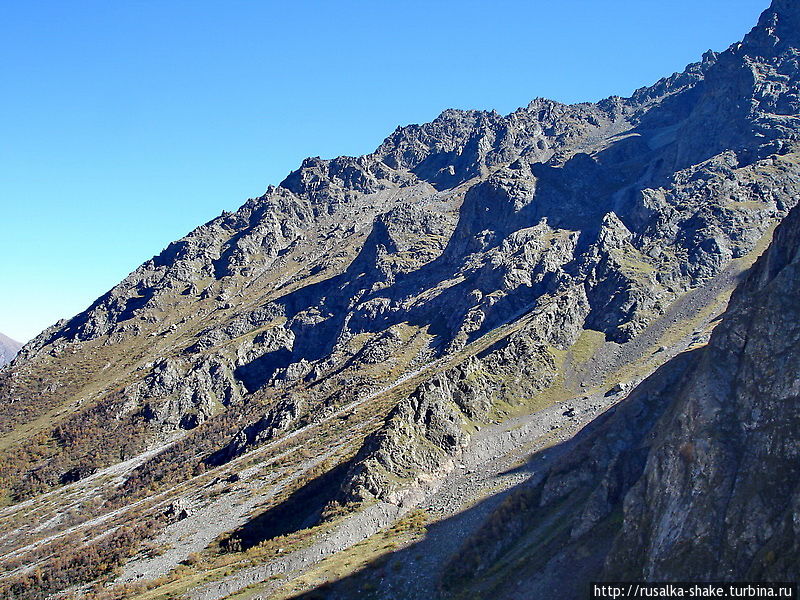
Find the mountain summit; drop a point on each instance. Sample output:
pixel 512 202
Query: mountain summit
pixel 494 352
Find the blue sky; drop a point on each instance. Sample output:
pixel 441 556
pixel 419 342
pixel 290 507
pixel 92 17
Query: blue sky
pixel 123 125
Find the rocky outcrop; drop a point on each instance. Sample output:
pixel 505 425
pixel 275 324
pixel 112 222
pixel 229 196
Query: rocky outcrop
pixel 719 491
pixel 422 438
pixel 693 477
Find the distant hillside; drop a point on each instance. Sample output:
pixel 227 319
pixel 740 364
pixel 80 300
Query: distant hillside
pixel 8 349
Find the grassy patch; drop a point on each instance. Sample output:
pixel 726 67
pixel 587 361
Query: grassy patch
pixel 588 343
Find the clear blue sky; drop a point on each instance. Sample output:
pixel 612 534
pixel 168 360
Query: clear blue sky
pixel 123 125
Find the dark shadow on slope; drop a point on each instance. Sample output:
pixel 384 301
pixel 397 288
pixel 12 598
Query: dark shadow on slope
pixel 222 265
pixel 415 568
pixel 255 374
pixel 260 370
pixel 300 510
pixel 544 538
pixel 573 196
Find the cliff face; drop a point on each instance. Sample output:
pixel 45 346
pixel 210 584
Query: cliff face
pixel 388 312
pixel 719 491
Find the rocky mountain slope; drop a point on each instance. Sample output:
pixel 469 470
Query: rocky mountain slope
pixel 693 476
pixel 8 349
pixel 382 342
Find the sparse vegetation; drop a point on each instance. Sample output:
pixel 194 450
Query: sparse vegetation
pixel 70 562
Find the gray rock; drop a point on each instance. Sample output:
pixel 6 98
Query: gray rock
pixel 470 253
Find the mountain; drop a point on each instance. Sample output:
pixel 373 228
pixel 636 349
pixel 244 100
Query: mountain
pixel 475 359
pixel 692 476
pixel 8 349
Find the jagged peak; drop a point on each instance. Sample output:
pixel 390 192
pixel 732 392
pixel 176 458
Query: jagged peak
pixel 690 76
pixel 785 8
pixel 450 114
pixel 778 29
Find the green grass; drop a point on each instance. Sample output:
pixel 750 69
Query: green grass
pixel 585 347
